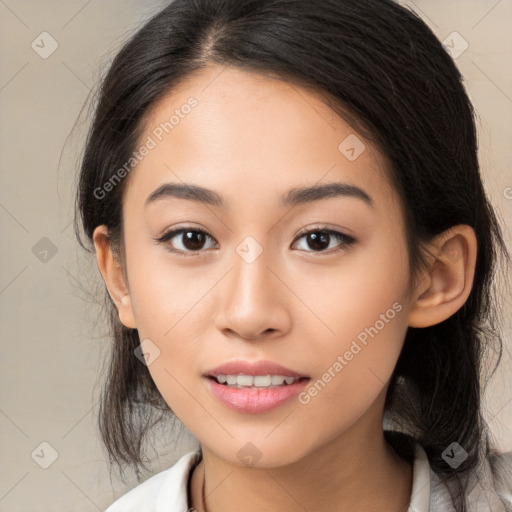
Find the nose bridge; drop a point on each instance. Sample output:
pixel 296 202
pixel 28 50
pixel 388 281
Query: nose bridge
pixel 252 303
pixel 251 277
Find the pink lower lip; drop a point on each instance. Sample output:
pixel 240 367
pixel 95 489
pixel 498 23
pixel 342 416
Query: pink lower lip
pixel 255 401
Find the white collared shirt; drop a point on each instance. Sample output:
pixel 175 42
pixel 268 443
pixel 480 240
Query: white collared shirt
pixel 167 491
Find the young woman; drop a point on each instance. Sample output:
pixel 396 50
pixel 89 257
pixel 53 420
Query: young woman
pixel 285 204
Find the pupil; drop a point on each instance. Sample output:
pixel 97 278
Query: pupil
pixel 318 242
pixel 193 240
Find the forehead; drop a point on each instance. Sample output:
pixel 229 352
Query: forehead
pixel 253 130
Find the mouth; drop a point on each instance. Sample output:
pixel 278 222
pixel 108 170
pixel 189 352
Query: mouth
pixel 257 374
pixel 254 387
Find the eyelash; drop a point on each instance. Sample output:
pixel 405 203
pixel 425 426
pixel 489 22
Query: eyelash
pixel 346 240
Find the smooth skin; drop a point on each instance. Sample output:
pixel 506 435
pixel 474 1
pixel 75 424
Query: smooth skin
pixel 251 138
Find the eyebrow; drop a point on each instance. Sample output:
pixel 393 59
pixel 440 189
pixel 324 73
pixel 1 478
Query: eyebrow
pixel 293 197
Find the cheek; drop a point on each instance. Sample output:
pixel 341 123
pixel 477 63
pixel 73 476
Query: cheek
pixel 359 323
pixel 169 314
pixel 164 293
pixel 368 283
pixel 167 308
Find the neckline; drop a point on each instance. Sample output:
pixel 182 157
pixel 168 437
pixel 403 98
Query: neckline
pixel 421 482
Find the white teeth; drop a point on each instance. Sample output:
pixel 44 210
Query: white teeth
pixel 244 380
pixel 258 381
pixel 231 379
pixel 261 381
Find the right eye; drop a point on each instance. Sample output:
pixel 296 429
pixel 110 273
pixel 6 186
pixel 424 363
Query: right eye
pixel 191 243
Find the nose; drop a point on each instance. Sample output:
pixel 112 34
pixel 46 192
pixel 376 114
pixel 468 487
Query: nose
pixel 254 300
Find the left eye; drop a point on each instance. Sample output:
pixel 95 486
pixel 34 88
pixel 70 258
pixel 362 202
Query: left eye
pixel 317 239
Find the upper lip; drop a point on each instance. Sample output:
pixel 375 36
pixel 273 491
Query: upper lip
pixel 240 367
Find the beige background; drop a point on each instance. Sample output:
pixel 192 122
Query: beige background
pixel 52 350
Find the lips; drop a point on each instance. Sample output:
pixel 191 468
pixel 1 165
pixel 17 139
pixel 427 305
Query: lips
pixel 255 401
pixel 244 386
pixel 240 367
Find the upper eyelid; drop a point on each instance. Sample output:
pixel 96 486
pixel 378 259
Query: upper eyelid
pixel 302 232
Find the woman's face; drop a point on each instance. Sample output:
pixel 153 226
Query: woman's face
pixel 255 287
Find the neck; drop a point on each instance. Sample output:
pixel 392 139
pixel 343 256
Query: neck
pixel 359 475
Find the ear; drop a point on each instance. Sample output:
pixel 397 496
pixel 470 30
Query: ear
pixel 112 273
pixel 448 281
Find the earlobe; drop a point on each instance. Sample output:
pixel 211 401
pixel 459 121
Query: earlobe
pixel 125 310
pixel 112 273
pixel 449 278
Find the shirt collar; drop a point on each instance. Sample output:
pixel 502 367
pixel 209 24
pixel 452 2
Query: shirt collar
pixel 182 472
pixel 420 495
pixel 429 493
